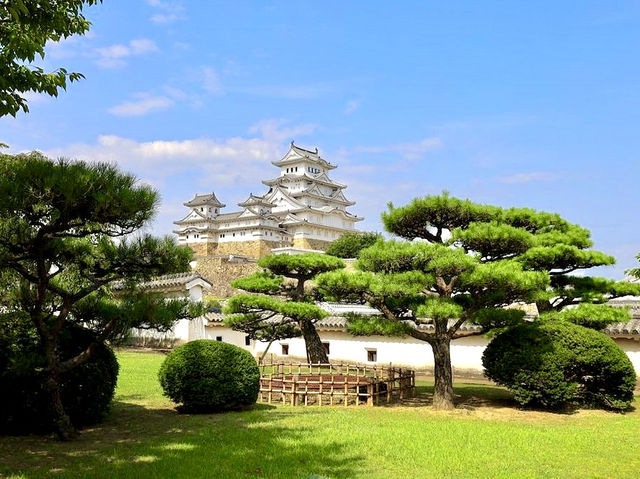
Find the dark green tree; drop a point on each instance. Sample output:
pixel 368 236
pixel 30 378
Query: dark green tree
pixel 25 28
pixel 466 262
pixel 284 308
pixel 350 244
pixel 59 259
pixel 635 272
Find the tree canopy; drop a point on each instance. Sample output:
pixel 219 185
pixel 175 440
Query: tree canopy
pixel 25 28
pixel 68 256
pixel 350 244
pixel 635 271
pixel 466 262
pixel 283 309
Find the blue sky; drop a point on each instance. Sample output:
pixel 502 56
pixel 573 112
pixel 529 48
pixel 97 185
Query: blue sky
pixel 512 103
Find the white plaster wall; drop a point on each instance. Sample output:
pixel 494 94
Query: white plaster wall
pixel 466 353
pixel 632 348
pixel 181 330
pixel 228 336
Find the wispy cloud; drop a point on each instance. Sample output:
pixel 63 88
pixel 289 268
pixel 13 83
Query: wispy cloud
pixel 114 56
pixel 352 105
pixel 167 11
pixel 291 92
pixel 407 151
pixel 35 97
pixel 143 105
pixel 211 81
pixel 278 130
pixel 518 178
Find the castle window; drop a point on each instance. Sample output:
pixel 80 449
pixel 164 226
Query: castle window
pixel 234 235
pixel 326 348
pixel 285 349
pixel 218 338
pixel 247 340
pixel 372 355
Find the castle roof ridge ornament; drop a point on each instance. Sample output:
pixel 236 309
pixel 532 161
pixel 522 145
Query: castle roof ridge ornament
pixel 208 199
pixel 301 154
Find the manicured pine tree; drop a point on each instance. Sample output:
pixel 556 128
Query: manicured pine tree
pixel 468 262
pixel 350 244
pixel 59 260
pixel 284 308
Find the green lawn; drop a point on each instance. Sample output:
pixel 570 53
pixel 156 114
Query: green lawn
pixel 485 437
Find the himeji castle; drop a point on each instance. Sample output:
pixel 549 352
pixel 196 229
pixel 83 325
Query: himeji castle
pixel 302 210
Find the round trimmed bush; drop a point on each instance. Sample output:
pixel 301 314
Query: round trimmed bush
pixel 208 376
pixel 86 390
pixel 553 364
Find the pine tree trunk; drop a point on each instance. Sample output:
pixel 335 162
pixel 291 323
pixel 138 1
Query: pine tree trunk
pixel 61 422
pixel 443 391
pixel 315 350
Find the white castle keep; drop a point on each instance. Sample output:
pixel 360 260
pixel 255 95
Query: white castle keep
pixel 302 210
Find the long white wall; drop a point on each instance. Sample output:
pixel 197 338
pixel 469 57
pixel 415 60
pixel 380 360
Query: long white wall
pixel 466 353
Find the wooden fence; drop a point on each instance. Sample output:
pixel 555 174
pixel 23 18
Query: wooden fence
pixel 334 384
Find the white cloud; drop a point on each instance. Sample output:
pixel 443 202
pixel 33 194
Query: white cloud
pixel 167 11
pixel 352 105
pixel 114 56
pixel 528 177
pixel 143 105
pixel 35 97
pixel 230 161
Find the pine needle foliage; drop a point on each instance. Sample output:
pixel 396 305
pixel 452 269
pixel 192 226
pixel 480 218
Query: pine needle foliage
pixel 463 263
pixel 66 241
pixel 282 308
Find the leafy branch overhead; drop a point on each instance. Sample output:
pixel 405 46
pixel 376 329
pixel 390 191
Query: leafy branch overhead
pixel 25 28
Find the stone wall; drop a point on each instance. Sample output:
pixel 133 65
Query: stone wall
pixel 307 243
pixel 203 249
pixel 220 271
pixel 250 249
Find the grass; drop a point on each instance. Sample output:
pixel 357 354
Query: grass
pixel 487 436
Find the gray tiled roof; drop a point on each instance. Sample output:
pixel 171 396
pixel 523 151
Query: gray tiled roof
pixel 168 281
pixel 630 328
pixel 337 320
pixel 206 199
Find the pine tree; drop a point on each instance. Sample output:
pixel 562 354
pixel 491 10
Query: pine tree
pixel 59 258
pixel 466 262
pixel 282 309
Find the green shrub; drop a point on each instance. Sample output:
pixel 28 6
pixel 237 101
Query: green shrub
pixel 208 376
pixel 86 391
pixel 350 244
pixel 553 364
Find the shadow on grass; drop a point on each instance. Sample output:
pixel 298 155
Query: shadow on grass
pixel 136 441
pixel 471 396
pixel 467 396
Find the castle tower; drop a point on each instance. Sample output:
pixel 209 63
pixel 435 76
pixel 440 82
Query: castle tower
pixel 303 209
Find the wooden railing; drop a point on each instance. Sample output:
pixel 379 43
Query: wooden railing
pixel 334 384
